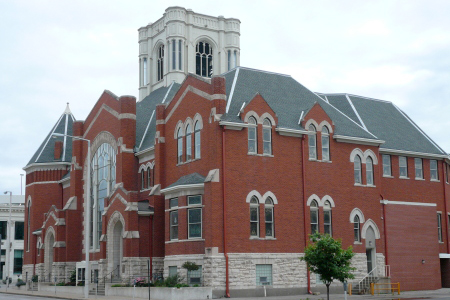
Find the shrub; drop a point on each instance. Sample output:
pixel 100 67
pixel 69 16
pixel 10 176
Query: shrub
pixel 34 278
pixel 117 285
pixel 20 282
pixel 73 276
pixel 62 283
pixel 4 280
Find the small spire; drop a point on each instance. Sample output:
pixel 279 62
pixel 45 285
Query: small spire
pixel 67 111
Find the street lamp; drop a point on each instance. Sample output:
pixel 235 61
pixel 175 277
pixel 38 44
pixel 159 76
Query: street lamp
pixel 88 212
pixel 8 240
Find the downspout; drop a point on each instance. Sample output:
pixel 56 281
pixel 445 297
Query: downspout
pixel 385 232
pixel 225 252
pixel 152 217
pixel 445 203
pixel 308 275
pixel 380 176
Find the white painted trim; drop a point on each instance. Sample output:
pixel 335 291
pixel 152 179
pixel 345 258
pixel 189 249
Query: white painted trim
pixel 325 123
pixel 356 112
pixel 256 194
pixel 412 153
pixel 418 129
pixel 314 197
pixel 313 122
pixel 65 139
pixel 232 88
pixel 359 213
pixel 358 152
pixel 167 93
pixel 183 187
pixel 290 132
pixel 146 129
pixel 327 198
pixel 444 255
pixel 357 140
pixel 267 116
pixel 385 202
pixel 46 166
pixel 251 114
pixel 372 155
pixel 367 224
pixel 233 125
pixel 301 117
pixel 41 182
pixel 49 137
pixel 145 150
pixel 271 195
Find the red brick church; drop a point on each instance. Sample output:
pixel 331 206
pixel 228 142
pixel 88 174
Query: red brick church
pixel 232 168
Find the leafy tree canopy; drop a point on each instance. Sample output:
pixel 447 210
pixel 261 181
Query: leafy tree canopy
pixel 325 256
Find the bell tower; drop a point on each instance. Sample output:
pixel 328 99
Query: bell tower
pixel 183 42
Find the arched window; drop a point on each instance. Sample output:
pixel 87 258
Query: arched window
pixel 325 144
pixel 268 212
pixel 103 174
pixel 252 136
pixel 254 217
pixel 180 146
pixel 327 224
pixel 314 216
pixel 160 64
pixel 197 139
pixel 204 59
pixel 149 177
pixel 369 171
pixel 145 72
pixel 38 246
pixel 180 44
pixel 357 169
pixel 188 143
pixel 267 137
pixel 28 224
pixel 356 229
pixel 174 55
pixel 312 142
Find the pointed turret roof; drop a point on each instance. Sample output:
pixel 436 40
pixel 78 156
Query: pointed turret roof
pixel 45 152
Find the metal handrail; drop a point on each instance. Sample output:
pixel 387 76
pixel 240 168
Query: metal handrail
pixel 363 281
pixel 110 273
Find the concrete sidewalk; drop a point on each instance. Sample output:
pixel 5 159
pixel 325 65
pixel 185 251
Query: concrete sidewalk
pixel 434 294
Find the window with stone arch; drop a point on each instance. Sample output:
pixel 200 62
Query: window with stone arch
pixel 204 59
pixel 357 229
pixel 103 179
pixel 327 218
pixel 269 217
pixel 252 136
pixel 149 177
pixel 314 216
pixel 197 138
pixel 179 146
pixel 254 217
pixel 312 143
pixel 357 169
pixel 267 137
pixel 325 144
pixel 188 143
pixel 369 171
pixel 160 63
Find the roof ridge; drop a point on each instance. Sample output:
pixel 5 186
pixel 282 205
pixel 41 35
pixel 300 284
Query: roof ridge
pixel 262 71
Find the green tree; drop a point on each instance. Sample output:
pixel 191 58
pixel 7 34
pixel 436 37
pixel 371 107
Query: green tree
pixel 325 256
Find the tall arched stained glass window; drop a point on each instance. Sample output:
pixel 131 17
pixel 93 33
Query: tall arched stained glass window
pixel 103 177
pixel 204 59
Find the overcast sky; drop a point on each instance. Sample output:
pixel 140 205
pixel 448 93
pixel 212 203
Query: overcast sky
pixel 54 51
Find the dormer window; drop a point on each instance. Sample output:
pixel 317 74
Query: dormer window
pixel 252 136
pixel 312 142
pixel 325 144
pixel 267 137
pixel 203 59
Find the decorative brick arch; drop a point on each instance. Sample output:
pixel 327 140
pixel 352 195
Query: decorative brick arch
pixel 49 240
pixel 113 220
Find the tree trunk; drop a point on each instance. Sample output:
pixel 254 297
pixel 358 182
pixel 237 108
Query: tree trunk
pixel 328 291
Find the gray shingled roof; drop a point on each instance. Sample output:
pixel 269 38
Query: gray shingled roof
pixel 287 97
pixel 392 125
pixel 193 178
pixel 145 113
pixel 45 152
pixel 340 101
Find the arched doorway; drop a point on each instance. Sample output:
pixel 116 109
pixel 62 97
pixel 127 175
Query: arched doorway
pixel 370 249
pixel 49 252
pixel 117 248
